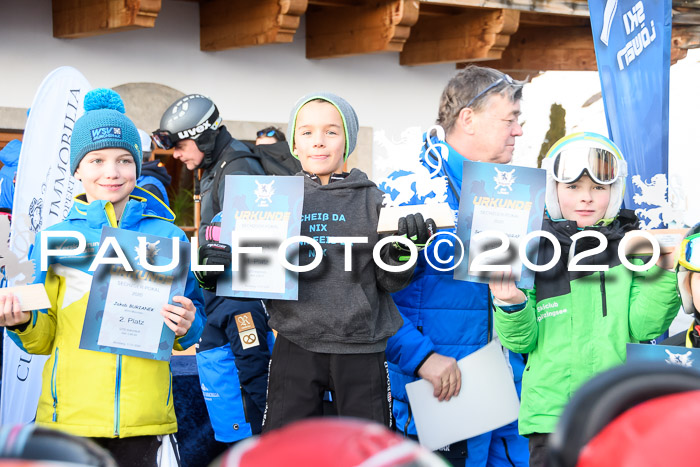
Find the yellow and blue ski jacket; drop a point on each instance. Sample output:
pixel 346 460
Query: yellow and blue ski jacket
pixel 99 394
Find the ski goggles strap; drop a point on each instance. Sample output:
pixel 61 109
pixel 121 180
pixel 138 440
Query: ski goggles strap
pixel 689 253
pixel 600 164
pixel 164 139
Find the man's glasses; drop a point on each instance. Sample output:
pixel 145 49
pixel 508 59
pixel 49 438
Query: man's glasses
pixel 270 133
pixel 503 79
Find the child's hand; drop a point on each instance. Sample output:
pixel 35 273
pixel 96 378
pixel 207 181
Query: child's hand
pixel 668 260
pixel 179 318
pixel 11 313
pixel 417 230
pixel 212 254
pixel 503 287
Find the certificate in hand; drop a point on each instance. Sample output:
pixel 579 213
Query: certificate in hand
pixel 499 205
pixel 261 211
pixel 123 310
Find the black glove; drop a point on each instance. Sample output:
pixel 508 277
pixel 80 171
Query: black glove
pixel 212 254
pixel 416 230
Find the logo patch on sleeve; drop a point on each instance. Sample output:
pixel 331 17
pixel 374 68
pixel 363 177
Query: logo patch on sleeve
pixel 249 338
pixel 244 322
pixel 113 132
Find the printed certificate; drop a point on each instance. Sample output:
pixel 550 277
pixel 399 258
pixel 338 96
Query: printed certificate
pixel 123 310
pixel 499 205
pixel 261 211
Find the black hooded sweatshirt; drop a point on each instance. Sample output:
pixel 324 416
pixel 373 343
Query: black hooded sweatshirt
pixel 340 311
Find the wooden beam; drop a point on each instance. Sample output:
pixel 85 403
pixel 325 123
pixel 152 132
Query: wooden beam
pixel 83 18
pixel 333 2
pixel 371 27
pixel 474 35
pixel 562 7
pixel 682 39
pixel 682 16
pixel 227 24
pixel 541 19
pixel 533 49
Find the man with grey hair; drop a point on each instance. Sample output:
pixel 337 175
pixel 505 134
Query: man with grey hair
pixel 446 319
pixel 479 110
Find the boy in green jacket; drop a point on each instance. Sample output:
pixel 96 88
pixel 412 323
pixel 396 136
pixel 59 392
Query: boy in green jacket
pixel 576 323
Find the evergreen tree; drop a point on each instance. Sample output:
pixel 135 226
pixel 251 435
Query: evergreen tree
pixel 557 130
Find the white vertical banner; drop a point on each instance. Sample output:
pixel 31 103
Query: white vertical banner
pixel 44 193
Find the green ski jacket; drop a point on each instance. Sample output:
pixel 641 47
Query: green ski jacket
pixel 576 324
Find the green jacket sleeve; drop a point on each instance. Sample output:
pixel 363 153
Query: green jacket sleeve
pixel 654 302
pixel 517 331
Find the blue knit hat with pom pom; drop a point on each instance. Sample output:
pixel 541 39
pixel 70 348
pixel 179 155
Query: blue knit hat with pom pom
pixel 104 125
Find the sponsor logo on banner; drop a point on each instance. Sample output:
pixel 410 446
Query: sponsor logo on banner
pixel 44 194
pixel 634 23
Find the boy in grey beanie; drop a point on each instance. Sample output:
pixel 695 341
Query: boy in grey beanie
pixel 334 336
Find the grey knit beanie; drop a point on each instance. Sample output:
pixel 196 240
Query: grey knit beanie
pixel 350 122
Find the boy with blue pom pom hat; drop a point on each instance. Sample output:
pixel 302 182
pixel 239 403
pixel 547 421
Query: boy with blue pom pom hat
pixel 124 403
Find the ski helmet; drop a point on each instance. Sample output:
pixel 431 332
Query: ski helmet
pixel 193 117
pixel 585 153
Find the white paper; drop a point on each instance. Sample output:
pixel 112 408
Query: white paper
pixel 132 318
pixel 487 400
pixel 263 271
pixel 512 222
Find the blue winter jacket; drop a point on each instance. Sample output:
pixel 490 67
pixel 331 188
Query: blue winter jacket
pixel 232 365
pixel 155 178
pixel 9 156
pixel 441 315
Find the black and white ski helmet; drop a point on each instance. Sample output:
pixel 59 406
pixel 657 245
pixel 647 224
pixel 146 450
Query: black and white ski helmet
pixel 187 118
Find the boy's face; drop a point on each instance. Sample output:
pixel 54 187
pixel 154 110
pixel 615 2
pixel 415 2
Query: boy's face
pixel 107 174
pixel 319 139
pixel 583 201
pixel 694 280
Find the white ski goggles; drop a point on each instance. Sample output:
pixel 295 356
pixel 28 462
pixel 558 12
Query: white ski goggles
pixel 569 164
pixel 689 253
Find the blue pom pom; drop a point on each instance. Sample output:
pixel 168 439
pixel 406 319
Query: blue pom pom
pixel 102 98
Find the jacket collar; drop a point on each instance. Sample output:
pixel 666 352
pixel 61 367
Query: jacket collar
pixel 454 165
pixel 100 213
